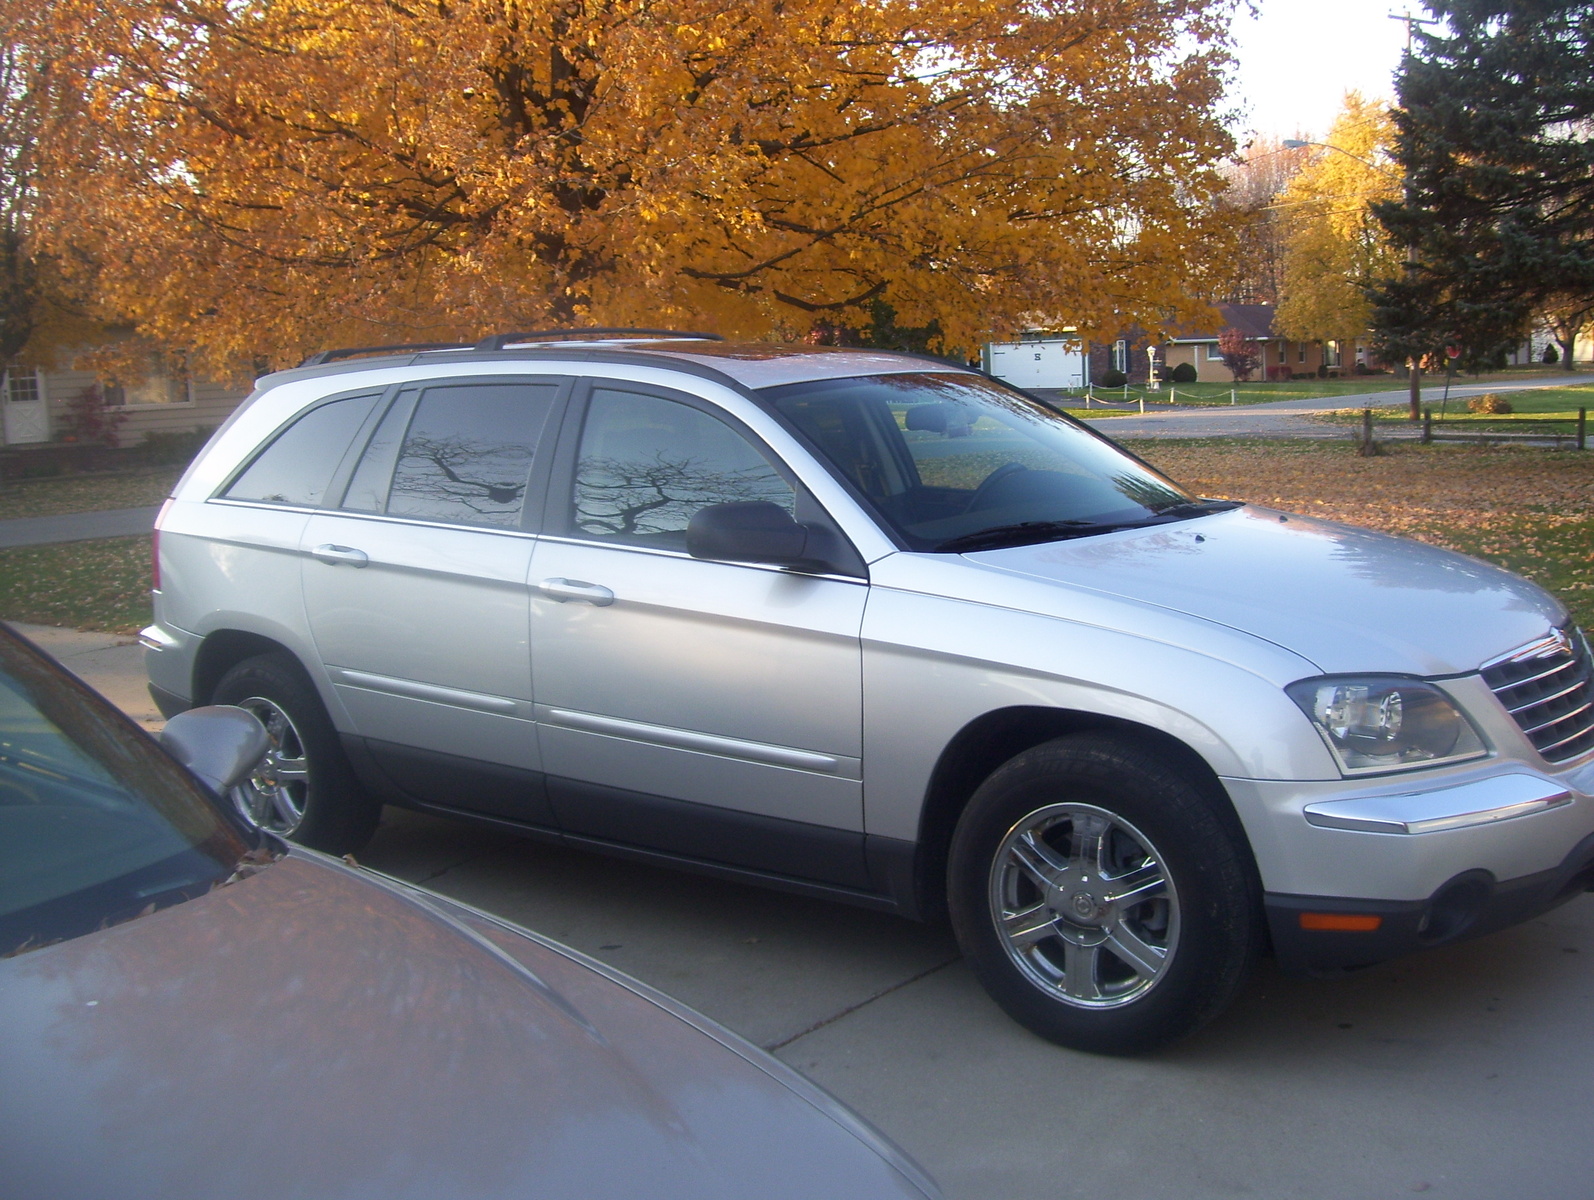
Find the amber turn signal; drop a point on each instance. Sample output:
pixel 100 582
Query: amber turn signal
pixel 1341 922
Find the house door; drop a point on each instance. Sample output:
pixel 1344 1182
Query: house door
pixel 26 417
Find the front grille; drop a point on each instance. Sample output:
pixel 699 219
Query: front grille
pixel 1547 689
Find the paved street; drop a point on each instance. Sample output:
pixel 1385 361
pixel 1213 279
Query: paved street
pixel 1466 1073
pixel 77 527
pixel 1292 418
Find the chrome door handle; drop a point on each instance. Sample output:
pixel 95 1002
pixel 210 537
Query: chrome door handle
pixel 576 589
pixel 335 555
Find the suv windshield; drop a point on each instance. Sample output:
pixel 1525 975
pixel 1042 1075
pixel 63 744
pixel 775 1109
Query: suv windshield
pixel 959 462
pixel 97 824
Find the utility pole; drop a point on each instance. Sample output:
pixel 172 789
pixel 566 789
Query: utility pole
pixel 1411 23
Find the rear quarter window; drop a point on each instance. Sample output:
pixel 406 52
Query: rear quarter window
pixel 297 465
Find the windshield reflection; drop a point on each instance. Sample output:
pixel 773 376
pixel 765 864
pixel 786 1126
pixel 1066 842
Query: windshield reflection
pixel 956 462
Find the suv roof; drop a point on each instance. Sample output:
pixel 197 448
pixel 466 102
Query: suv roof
pixel 747 364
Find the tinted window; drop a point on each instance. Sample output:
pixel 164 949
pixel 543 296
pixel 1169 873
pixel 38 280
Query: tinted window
pixel 646 465
pixel 368 488
pixel 96 825
pixel 466 456
pixel 297 466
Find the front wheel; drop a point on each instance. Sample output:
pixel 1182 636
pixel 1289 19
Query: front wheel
pixel 305 788
pixel 1099 897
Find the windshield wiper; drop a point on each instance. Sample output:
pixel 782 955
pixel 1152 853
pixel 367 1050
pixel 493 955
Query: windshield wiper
pixel 1198 508
pixel 1023 533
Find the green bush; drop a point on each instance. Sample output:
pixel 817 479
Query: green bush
pixel 1184 373
pixel 1112 379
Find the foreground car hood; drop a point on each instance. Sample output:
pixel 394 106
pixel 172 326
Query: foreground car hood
pixel 1345 598
pixel 316 1032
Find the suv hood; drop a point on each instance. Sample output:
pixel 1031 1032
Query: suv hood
pixel 320 1031
pixel 1347 599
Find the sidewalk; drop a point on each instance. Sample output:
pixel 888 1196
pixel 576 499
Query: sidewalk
pixel 110 663
pixel 77 527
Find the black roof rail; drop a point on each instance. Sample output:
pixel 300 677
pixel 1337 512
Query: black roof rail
pixel 500 340
pixel 326 356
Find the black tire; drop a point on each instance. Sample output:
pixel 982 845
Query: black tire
pixel 1101 956
pixel 306 789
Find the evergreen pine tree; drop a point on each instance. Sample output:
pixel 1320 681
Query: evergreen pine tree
pixel 1495 134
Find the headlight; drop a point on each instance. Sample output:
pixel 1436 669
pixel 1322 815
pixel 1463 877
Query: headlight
pixel 1374 723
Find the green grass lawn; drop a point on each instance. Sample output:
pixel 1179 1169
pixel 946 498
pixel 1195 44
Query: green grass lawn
pixel 1260 392
pixel 86 493
pixel 101 584
pixel 1534 405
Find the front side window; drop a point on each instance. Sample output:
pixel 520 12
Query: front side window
pixel 464 457
pixel 646 465
pixel 959 462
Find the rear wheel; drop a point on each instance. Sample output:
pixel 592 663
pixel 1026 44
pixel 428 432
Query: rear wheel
pixel 304 789
pixel 1099 897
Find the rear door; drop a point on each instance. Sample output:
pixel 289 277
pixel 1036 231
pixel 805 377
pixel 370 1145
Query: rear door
pixel 415 591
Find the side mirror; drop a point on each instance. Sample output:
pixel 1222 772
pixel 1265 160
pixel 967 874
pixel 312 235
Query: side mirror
pixel 753 531
pixel 220 743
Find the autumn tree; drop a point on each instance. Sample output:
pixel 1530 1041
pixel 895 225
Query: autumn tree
pixel 19 275
pixel 1335 248
pixel 1240 354
pixel 248 178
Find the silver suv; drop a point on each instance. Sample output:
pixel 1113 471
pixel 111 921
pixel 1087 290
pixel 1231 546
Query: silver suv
pixel 880 629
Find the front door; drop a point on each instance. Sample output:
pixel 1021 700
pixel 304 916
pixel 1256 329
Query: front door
pixel 27 414
pixel 702 708
pixel 416 594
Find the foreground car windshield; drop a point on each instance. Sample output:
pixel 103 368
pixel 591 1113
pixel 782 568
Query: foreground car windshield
pixel 956 462
pixel 97 825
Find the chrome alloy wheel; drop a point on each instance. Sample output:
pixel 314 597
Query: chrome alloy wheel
pixel 1084 906
pixel 273 798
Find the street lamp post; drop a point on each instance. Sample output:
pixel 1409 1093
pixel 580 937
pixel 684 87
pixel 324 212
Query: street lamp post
pixel 1411 252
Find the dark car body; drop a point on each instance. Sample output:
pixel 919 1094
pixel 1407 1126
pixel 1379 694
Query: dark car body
pixel 304 1027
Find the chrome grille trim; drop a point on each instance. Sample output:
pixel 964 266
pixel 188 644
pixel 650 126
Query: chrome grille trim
pixel 1547 687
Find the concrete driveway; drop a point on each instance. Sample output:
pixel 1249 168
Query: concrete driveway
pixel 1467 1072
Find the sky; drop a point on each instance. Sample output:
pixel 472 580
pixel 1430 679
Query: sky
pixel 1297 58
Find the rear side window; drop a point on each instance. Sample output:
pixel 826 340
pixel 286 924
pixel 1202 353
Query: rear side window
pixel 298 465
pixel 464 457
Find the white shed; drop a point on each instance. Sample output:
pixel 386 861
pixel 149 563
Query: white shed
pixel 1038 362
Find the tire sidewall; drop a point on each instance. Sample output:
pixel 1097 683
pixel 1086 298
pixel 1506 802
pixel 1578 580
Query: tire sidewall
pixel 1218 919
pixel 338 815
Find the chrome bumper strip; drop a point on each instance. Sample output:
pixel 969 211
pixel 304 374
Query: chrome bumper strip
pixel 479 701
pixel 1482 802
pixel 687 739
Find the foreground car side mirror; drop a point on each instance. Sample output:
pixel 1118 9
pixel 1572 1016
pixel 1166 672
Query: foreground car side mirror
pixel 219 743
pixel 753 531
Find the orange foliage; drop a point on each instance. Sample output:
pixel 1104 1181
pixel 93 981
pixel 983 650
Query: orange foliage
pixel 258 178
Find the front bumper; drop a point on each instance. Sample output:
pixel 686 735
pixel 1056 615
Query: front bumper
pixel 1357 872
pixel 1471 904
pixel 1403 838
